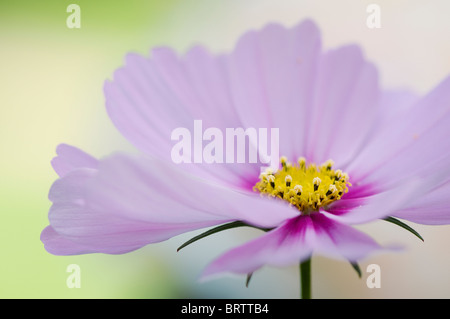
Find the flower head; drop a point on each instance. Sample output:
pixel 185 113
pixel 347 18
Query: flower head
pixel 326 104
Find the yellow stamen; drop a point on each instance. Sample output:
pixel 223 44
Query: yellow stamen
pixel 307 187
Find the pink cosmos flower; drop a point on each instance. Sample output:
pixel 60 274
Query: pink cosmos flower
pixel 389 149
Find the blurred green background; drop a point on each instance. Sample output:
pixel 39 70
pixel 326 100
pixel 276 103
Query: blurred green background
pixel 51 80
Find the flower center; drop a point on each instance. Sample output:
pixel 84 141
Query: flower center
pixel 307 187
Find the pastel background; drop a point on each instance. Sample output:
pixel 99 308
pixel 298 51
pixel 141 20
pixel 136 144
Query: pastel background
pixel 51 91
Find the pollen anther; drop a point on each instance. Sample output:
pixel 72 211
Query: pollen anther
pixel 316 183
pixel 288 180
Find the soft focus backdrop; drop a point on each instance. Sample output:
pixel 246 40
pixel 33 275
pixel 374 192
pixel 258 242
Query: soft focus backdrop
pixel 51 91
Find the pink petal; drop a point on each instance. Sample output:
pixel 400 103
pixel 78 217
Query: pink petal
pixel 370 208
pixel 59 245
pixel 403 167
pixel 130 202
pixel 431 208
pixel 295 241
pixel 410 144
pixel 98 229
pixel 176 195
pixel 69 158
pixel 395 104
pixel 271 77
pixel 346 92
pixel 397 199
pixel 148 99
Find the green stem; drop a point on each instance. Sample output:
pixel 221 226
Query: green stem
pixel 305 279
